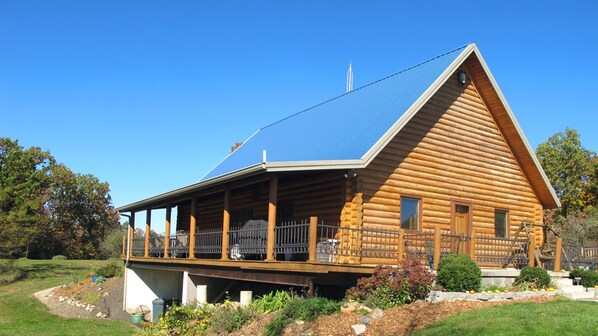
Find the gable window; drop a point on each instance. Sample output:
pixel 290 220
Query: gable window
pixel 410 213
pixel 501 223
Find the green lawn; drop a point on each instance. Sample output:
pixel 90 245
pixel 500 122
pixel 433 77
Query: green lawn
pixel 22 314
pixel 562 317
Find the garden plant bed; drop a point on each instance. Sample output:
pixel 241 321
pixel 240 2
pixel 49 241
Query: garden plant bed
pixel 86 299
pixel 396 321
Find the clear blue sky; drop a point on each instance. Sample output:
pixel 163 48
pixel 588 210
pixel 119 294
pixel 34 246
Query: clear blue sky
pixel 150 95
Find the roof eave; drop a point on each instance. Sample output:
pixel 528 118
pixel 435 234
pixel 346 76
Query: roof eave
pixel 164 197
pixel 526 143
pixel 416 106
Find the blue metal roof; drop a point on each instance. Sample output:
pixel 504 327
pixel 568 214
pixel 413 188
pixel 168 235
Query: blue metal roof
pixel 343 128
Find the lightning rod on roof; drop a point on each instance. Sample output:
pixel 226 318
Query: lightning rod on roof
pixel 350 78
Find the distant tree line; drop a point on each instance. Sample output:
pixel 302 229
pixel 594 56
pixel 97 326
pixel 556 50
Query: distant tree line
pixel 573 172
pixel 46 209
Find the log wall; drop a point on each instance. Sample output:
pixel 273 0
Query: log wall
pixel 451 150
pixel 309 195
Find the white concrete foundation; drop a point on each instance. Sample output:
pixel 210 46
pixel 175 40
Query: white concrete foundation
pixel 145 285
pixel 246 298
pixel 202 294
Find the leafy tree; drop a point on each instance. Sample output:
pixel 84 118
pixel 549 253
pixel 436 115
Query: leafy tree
pixel 24 182
pixel 569 168
pixel 82 212
pixel 46 209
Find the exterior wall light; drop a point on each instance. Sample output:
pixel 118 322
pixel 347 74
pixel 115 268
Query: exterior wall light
pixel 462 77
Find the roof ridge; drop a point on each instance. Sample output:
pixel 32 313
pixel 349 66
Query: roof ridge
pixel 364 86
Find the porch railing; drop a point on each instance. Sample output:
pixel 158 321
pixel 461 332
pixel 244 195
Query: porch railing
pixel 179 245
pixel 491 250
pixel 156 246
pixel 335 241
pixel 318 242
pixel 138 249
pixel 248 241
pixel 292 239
pixel 579 256
pixel 208 242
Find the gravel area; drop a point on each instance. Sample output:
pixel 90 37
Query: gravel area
pixel 86 300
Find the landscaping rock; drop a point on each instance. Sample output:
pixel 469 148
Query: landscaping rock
pixel 365 320
pixel 308 333
pixel 377 313
pixel 358 329
pixel 99 315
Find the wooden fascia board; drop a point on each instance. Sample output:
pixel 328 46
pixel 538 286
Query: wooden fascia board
pixel 416 106
pixel 502 111
pixel 189 190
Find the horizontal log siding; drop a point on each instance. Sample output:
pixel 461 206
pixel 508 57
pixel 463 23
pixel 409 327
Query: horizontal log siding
pixel 451 150
pixel 313 195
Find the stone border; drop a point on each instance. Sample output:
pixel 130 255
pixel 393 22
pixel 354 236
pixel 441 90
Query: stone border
pixel 439 296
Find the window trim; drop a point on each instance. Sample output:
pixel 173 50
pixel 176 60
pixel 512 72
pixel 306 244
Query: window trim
pixel 419 213
pixel 507 213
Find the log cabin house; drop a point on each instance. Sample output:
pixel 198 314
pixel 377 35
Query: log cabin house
pixel 425 162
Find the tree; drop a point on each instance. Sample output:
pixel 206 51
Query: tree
pixel 569 168
pixel 81 211
pixel 24 182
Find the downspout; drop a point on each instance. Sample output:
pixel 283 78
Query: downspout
pixel 126 264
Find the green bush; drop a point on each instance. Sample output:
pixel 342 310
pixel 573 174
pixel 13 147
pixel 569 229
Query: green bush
pixel 228 318
pixel 59 257
pixel 271 302
pixel 10 272
pixel 534 277
pixel 110 270
pixel 588 278
pixel 301 309
pixel 391 287
pixel 458 273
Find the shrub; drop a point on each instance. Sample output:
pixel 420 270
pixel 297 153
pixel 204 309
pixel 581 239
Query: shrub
pixel 534 277
pixel 458 273
pixel 301 309
pixel 110 270
pixel 10 272
pixel 59 257
pixel 588 278
pixel 270 302
pixel 186 320
pixel 390 286
pixel 228 318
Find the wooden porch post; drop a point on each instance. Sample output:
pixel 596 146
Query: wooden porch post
pixel 472 245
pixel 272 219
pixel 148 226
pixel 167 230
pixel 401 249
pixel 192 224
pixel 313 238
pixel 557 254
pixel 532 249
pixel 131 232
pixel 437 240
pixel 225 224
pixel 124 240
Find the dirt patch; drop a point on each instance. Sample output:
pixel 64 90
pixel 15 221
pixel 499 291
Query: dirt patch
pixel 86 299
pixel 396 321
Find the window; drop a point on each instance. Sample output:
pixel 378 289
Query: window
pixel 501 223
pixel 409 213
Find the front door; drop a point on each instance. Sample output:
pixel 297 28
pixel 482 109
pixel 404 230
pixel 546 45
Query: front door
pixel 461 227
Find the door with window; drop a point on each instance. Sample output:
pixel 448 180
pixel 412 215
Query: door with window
pixel 461 227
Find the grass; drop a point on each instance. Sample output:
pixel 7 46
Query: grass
pixel 22 314
pixel 561 317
